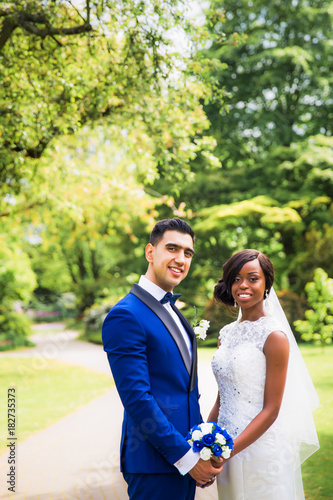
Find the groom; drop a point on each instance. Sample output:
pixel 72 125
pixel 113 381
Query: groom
pixel 152 354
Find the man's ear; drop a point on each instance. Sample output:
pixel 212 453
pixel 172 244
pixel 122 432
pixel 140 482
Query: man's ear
pixel 149 252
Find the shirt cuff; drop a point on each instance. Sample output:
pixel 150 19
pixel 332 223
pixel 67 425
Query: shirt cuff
pixel 187 462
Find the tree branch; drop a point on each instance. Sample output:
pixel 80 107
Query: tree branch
pixel 9 25
pixel 51 31
pixel 23 208
pixel 29 23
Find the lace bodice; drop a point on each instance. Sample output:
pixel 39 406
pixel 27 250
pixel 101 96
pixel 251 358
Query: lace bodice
pixel 239 366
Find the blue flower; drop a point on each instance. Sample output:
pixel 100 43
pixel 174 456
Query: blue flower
pixel 216 428
pixel 208 439
pixel 229 441
pixel 197 445
pixel 217 450
pixel 230 444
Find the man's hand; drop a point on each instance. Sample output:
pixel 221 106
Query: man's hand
pixel 204 472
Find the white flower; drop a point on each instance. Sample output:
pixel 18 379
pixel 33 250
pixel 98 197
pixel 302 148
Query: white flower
pixel 200 332
pixel 206 428
pixel 220 439
pixel 205 453
pixel 205 324
pixel 190 442
pixel 200 327
pixel 197 435
pixel 226 453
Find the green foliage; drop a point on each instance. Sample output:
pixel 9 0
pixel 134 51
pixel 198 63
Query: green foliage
pixel 318 325
pixel 17 279
pixel 64 66
pixel 93 320
pixel 274 190
pixel 17 282
pixel 279 77
pixel 96 102
pixel 14 330
pixel 80 239
pixel 104 130
pixel 294 307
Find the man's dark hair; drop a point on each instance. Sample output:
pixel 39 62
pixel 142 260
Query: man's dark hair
pixel 231 268
pixel 169 225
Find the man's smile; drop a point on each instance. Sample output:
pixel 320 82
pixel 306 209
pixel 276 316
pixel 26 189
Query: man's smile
pixel 176 270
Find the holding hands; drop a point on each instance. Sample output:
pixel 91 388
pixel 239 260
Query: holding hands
pixel 204 472
pixel 214 444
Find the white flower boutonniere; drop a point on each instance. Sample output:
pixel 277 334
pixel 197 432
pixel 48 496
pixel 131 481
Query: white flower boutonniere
pixel 201 329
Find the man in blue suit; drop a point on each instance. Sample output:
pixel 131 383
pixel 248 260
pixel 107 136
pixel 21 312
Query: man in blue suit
pixel 152 354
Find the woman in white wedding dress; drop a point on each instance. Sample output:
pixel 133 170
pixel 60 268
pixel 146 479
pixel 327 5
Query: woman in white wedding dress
pixel 265 394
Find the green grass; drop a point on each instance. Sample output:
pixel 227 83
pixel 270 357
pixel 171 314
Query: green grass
pixel 45 394
pixel 317 470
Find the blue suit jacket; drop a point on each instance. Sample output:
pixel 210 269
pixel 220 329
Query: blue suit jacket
pixel 156 381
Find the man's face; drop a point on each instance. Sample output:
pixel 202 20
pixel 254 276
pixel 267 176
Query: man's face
pixel 170 259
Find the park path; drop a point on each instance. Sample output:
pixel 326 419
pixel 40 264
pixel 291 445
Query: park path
pixel 77 458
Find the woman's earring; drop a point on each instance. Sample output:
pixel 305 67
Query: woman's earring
pixel 266 303
pixel 235 304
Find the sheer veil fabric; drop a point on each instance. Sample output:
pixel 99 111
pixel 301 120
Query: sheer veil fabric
pixel 300 397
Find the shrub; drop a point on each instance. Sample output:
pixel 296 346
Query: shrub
pixel 318 325
pixel 14 330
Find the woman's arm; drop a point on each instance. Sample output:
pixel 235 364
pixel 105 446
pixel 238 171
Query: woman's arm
pixel 214 412
pixel 276 350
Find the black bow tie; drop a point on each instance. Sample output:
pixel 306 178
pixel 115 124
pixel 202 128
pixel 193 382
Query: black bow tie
pixel 169 297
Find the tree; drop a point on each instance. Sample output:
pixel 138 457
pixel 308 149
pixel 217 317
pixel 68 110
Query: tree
pixel 17 282
pixel 274 189
pixel 82 237
pixel 278 80
pixel 64 66
pixel 318 325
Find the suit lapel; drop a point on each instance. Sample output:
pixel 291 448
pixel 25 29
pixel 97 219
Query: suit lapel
pixel 192 336
pixel 168 322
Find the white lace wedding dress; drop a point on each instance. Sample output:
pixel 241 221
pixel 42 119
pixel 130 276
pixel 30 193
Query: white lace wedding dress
pixel 264 470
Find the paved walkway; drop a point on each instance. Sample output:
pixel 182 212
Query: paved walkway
pixel 77 458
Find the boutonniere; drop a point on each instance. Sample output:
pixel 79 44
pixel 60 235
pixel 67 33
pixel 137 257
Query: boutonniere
pixel 200 327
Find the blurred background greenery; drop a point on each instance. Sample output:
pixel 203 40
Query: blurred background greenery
pixel 116 115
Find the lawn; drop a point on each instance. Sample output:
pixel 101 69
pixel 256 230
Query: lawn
pixel 317 470
pixel 44 394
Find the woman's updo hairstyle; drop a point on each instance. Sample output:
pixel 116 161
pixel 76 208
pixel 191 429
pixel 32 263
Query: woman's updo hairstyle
pixel 222 290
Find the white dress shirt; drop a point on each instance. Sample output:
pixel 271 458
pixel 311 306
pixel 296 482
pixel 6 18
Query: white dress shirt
pixel 185 463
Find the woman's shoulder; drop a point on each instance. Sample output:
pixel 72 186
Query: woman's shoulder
pixel 264 327
pixel 228 327
pixel 267 323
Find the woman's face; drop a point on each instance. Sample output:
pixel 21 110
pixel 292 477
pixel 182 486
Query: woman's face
pixel 249 285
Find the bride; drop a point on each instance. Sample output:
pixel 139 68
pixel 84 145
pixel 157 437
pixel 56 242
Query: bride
pixel 265 394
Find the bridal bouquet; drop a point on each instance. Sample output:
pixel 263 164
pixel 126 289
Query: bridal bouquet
pixel 210 440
